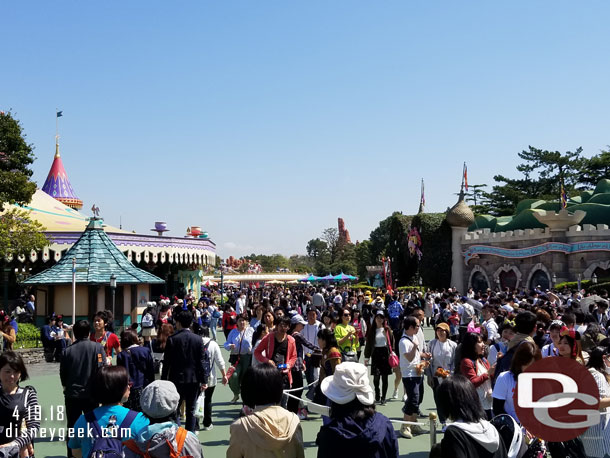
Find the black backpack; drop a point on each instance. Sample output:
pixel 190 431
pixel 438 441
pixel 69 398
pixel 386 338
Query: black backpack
pixel 207 366
pixel 108 444
pixel 503 364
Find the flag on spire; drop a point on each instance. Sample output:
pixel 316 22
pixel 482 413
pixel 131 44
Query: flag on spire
pixel 60 114
pixel 422 200
pixel 465 177
pixel 564 197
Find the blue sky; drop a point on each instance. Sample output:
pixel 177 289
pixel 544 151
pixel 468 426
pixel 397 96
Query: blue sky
pixel 262 122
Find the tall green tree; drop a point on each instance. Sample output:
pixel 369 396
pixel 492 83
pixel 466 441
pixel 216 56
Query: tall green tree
pixel 316 248
pixel 476 196
pixel 19 235
pixel 363 258
pixel 542 174
pixel 319 256
pixel 331 237
pixel 403 266
pixel 595 169
pixel 345 260
pixel 380 239
pixel 16 156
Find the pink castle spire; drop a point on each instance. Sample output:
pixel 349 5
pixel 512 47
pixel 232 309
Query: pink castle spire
pixel 58 186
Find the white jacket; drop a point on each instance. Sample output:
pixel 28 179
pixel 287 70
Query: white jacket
pixel 216 359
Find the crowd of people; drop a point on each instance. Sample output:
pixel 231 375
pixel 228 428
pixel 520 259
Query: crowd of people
pixel 291 348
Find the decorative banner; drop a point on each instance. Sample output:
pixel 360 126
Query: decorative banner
pixel 387 273
pixel 414 243
pixel 515 253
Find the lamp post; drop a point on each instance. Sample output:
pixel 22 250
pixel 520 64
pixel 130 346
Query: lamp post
pixel 222 277
pixel 594 278
pixel 113 291
pixel 579 280
pixel 73 291
pixel 554 279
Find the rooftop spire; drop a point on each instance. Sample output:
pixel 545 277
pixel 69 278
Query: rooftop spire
pixel 57 184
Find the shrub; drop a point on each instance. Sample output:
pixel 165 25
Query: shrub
pixel 28 336
pixel 596 289
pixel 409 289
pixel 364 287
pixel 573 285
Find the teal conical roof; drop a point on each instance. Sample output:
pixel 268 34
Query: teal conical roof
pixel 97 258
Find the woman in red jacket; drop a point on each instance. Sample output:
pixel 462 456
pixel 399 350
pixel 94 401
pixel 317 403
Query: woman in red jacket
pixel 476 368
pixel 279 349
pixel 229 320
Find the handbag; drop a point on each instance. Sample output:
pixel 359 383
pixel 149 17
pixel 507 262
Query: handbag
pixel 231 370
pixel 349 357
pixel 428 370
pixel 234 358
pixel 393 359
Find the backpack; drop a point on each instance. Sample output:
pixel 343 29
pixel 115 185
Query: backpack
pixel 207 367
pixel 503 364
pixel 147 321
pixel 105 445
pixel 181 434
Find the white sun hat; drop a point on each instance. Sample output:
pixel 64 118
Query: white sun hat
pixel 350 381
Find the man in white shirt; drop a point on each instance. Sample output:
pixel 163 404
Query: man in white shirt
pixel 488 314
pixel 310 332
pixel 410 357
pixel 423 347
pixel 318 300
pixel 240 304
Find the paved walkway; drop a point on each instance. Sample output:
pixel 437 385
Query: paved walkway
pixel 45 378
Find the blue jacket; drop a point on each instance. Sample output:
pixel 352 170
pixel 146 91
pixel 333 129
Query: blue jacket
pixel 139 363
pixel 346 437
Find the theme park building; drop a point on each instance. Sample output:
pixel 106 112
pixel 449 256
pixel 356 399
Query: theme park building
pixel 541 245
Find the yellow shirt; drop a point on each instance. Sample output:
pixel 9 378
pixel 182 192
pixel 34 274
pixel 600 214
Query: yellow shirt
pixel 351 344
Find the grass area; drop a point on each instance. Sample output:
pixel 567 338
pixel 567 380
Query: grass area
pixel 45 378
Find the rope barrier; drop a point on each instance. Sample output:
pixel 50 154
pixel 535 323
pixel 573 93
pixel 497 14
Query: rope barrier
pixel 301 388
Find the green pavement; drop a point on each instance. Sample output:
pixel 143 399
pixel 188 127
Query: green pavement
pixel 45 379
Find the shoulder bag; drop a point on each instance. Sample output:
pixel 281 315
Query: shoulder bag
pixel 393 359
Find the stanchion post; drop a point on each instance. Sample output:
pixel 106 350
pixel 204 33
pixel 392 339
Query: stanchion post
pixel 432 418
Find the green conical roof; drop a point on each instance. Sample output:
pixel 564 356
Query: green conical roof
pixel 97 258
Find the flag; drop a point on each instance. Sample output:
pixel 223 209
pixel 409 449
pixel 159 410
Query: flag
pixel 564 197
pixel 465 177
pixel 60 114
pixel 387 273
pixel 423 197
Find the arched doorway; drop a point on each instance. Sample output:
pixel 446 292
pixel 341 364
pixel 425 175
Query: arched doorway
pixel 603 275
pixel 508 279
pixel 540 280
pixel 479 282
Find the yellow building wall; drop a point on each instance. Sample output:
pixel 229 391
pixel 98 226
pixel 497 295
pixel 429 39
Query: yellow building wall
pixel 101 299
pixel 63 300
